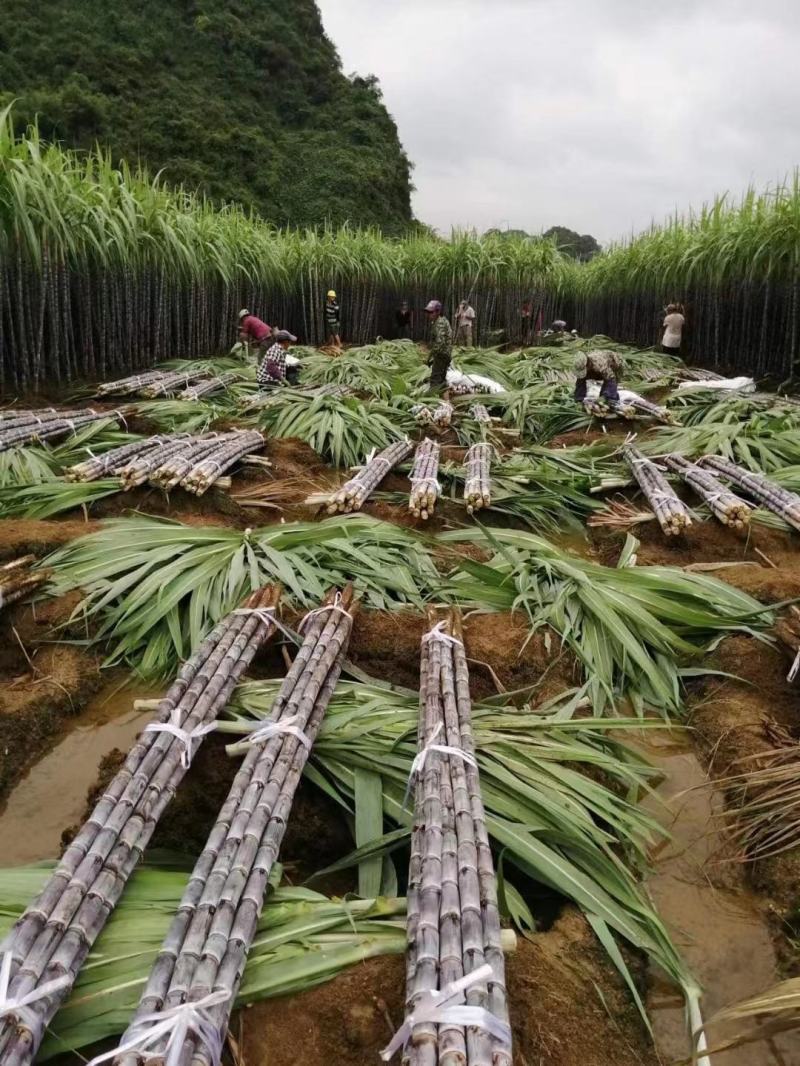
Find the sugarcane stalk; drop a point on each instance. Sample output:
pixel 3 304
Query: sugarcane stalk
pixel 477 484
pixel 58 427
pixel 723 504
pixel 174 469
pixel 238 445
pixel 113 461
pixel 53 937
pixel 480 414
pixel 425 489
pixel 207 388
pixel 672 514
pixel 354 493
pixel 125 386
pixel 781 502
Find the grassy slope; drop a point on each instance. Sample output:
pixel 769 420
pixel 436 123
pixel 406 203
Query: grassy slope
pixel 244 99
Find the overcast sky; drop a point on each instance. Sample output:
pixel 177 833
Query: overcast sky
pixel 599 115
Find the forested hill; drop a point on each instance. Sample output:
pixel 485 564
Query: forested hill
pixel 243 99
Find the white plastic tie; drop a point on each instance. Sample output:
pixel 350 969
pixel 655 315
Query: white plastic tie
pixel 267 730
pixel 17 1006
pixel 418 765
pixel 176 1023
pixel 438 633
pixel 438 1008
pixel 187 737
pixel 335 606
pixel 431 481
pixel 790 677
pixel 269 617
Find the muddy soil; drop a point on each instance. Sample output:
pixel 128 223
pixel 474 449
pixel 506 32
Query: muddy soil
pixel 349 1020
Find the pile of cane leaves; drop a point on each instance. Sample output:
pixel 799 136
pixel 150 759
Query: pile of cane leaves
pixel 303 940
pixel 580 834
pixel 154 588
pixel 636 630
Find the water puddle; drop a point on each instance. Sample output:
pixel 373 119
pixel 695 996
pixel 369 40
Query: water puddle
pixel 720 932
pixel 52 795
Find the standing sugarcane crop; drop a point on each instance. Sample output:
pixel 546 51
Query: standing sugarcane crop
pixel 17 579
pixel 354 493
pixel 454 954
pixel 776 499
pixel 672 514
pixel 197 973
pixel 425 488
pixel 478 482
pixel 729 509
pixel 50 942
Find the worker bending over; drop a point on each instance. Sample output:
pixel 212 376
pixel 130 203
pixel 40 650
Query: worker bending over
pixel 602 366
pixel 253 331
pixel 441 346
pixel 273 370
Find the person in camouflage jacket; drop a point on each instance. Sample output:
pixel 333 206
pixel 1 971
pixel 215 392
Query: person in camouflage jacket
pixel 603 366
pixel 441 346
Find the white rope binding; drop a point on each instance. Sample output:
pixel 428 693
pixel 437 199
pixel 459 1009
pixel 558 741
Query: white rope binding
pixel 438 1008
pixel 176 1023
pixel 264 731
pixel 17 1006
pixel 187 737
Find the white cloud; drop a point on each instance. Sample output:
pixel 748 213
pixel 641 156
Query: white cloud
pixel 595 114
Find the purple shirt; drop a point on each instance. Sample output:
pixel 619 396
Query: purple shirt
pixel 255 328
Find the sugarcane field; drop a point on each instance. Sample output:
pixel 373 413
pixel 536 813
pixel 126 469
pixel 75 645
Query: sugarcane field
pixel 399 604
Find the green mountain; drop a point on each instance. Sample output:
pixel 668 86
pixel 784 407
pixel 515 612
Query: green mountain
pixel 243 99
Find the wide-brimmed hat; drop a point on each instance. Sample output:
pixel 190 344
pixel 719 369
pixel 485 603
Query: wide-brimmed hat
pixel 284 335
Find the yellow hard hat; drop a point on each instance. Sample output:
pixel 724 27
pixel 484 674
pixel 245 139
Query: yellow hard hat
pixel 331 293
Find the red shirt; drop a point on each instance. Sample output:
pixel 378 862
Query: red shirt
pixel 255 328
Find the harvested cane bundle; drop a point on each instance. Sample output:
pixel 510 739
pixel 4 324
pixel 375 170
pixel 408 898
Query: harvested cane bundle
pixel 782 503
pixel 640 406
pixel 673 515
pixel 185 1007
pixel 454 954
pixel 17 579
pixel 425 488
pixel 729 509
pixel 112 462
pixel 139 469
pixel 179 465
pixel 59 426
pixel 478 482
pixel 440 416
pixel 480 414
pixel 18 419
pixel 229 451
pixel 353 494
pixel 172 382
pixel 50 942
pixel 206 388
pixel 126 386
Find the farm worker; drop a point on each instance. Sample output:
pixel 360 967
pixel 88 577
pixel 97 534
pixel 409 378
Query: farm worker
pixel 273 369
pixel 600 366
pixel 253 331
pixel 332 319
pixel 673 330
pixel 526 311
pixel 465 317
pixel 402 320
pixel 441 346
pixel 559 325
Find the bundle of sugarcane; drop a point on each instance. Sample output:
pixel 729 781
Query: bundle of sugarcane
pixel 138 470
pixel 112 462
pixel 48 945
pixel 206 388
pixel 126 386
pixel 765 492
pixel 354 493
pixel 229 451
pixel 480 414
pixel 172 382
pixel 59 426
pixel 197 973
pixel 639 405
pixel 478 482
pixel 672 514
pixel 17 579
pixel 699 375
pixel 442 415
pixel 729 509
pixel 21 416
pixel 425 487
pixel 454 954
pixel 172 471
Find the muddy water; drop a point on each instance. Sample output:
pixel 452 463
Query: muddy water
pixel 720 932
pixel 52 795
